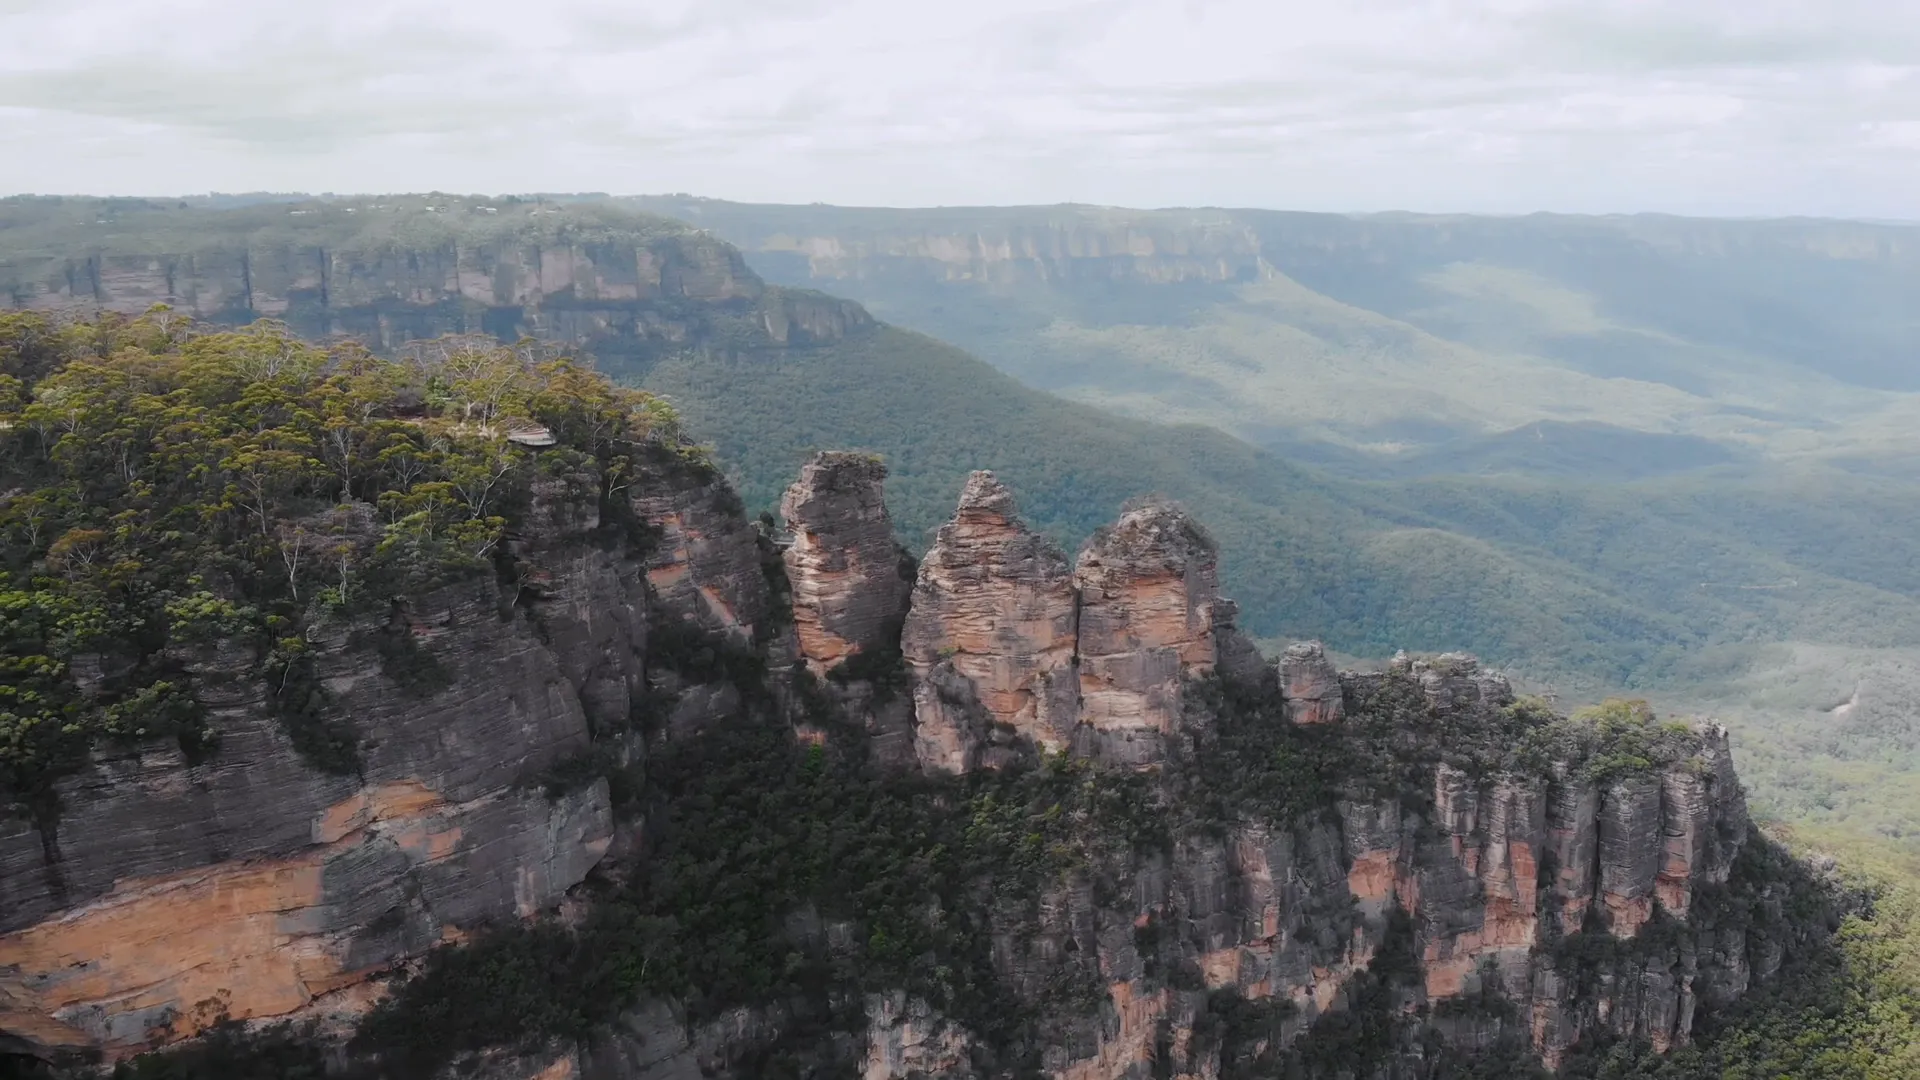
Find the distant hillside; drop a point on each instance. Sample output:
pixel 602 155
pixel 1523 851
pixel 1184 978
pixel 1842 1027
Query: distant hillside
pixel 1392 334
pixel 391 269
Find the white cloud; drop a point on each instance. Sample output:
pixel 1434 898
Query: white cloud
pixel 1760 106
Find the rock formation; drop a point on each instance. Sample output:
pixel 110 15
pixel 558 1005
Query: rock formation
pixel 171 892
pixel 1147 587
pixel 1455 681
pixel 990 636
pixel 849 594
pixel 1009 649
pixel 637 287
pixel 1309 685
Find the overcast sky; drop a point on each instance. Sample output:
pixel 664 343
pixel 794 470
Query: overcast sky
pixel 1692 106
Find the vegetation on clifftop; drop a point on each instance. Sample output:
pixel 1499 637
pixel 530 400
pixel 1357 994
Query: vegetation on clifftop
pixel 37 230
pixel 172 499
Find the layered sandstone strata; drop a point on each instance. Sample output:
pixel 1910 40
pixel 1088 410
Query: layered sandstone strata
pixel 645 285
pixel 990 636
pixel 844 568
pixel 172 891
pixel 169 891
pixel 1147 586
pixel 1070 244
pixel 1310 685
pixel 1010 649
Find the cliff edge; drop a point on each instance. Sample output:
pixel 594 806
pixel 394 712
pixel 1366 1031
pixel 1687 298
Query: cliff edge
pixel 623 785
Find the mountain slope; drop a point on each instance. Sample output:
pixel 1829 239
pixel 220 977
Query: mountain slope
pixel 1567 582
pixel 1705 425
pixel 1389 332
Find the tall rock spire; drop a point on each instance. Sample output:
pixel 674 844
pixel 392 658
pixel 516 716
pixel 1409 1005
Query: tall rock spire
pixel 1148 588
pixel 849 595
pixel 990 636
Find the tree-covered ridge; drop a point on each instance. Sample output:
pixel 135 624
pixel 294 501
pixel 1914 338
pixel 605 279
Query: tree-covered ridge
pixel 163 487
pixel 34 229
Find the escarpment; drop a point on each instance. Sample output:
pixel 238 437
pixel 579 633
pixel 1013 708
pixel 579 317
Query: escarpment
pixel 1006 813
pixel 632 286
pixel 1025 246
pixel 167 891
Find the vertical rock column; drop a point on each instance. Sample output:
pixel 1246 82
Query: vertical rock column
pixel 848 593
pixel 1148 588
pixel 990 636
pixel 1631 849
pixel 1702 822
pixel 1310 686
pixel 705 566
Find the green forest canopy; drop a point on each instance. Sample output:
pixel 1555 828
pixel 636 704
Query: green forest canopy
pixel 166 488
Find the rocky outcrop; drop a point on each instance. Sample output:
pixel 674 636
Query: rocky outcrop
pixel 844 567
pixel 1453 681
pixel 256 883
pixel 1287 918
pixel 906 1037
pixel 169 892
pixel 1009 650
pixel 989 637
pixel 1501 867
pixel 1310 685
pixel 1147 588
pixel 703 561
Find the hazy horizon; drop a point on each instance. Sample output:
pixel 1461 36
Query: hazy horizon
pixel 1776 109
pixel 290 195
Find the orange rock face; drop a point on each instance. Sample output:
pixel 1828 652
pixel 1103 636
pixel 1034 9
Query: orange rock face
pixel 705 567
pixel 1131 1045
pixel 161 958
pixel 1009 649
pixel 1147 590
pixel 990 634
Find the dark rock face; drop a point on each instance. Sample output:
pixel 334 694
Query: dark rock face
pixel 1455 681
pixel 1310 685
pixel 704 567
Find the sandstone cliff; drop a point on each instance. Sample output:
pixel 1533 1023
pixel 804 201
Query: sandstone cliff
pixel 1237 853
pixel 990 637
pixel 169 892
pixel 630 285
pixel 845 569
pixel 1005 246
